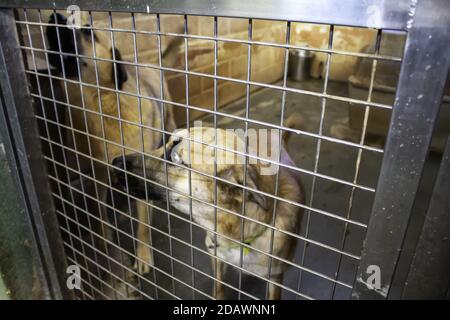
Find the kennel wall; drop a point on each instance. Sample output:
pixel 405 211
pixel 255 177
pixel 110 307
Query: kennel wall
pixel 60 199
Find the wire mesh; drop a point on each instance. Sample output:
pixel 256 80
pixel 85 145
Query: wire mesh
pixel 102 225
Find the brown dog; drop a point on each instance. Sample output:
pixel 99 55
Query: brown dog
pixel 231 228
pixel 113 121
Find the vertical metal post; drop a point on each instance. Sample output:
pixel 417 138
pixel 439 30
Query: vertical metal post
pixel 421 85
pixel 20 265
pixel 429 276
pixel 19 114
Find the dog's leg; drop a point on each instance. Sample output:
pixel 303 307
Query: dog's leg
pixel 274 290
pixel 144 253
pixel 105 231
pixel 120 290
pixel 218 288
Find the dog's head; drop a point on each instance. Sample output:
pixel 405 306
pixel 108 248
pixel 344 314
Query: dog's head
pixel 84 41
pixel 181 154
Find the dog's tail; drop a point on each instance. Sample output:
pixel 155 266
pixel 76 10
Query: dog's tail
pixel 170 53
pixel 294 121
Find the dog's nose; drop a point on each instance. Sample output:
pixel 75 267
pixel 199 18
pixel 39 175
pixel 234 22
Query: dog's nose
pixel 121 164
pixel 128 175
pixel 118 162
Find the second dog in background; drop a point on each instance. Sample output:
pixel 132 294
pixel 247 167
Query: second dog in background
pixel 260 210
pixel 110 121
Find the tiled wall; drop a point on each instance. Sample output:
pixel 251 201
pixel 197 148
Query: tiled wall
pixel 266 62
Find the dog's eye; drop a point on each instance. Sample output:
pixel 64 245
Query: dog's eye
pixel 174 155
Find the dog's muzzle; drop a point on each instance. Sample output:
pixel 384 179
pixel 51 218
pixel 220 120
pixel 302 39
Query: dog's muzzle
pixel 129 176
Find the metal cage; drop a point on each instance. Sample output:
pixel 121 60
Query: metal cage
pixel 62 199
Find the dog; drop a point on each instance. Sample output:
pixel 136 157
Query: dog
pixel 108 137
pixel 230 197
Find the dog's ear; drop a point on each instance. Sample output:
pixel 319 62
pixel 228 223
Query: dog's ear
pixel 252 181
pixel 120 68
pixel 66 44
pixel 235 174
pixel 170 124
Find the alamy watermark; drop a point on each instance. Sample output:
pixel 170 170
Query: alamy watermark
pixel 233 146
pixel 74 279
pixel 374 279
pixel 74 18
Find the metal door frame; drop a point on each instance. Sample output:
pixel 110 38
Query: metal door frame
pixel 418 98
pixel 21 135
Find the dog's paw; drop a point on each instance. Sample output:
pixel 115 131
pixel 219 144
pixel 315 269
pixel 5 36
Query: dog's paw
pixel 141 267
pixel 144 259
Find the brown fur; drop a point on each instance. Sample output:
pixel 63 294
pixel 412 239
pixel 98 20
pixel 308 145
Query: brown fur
pixel 229 197
pixel 114 106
